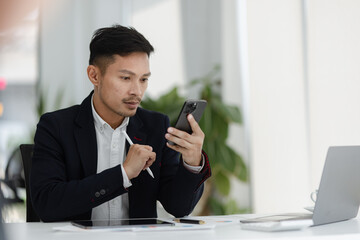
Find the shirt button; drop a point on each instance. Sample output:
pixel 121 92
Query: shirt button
pixel 97 194
pixel 102 191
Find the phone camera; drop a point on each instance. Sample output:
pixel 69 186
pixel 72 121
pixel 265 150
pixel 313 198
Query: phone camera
pixel 191 107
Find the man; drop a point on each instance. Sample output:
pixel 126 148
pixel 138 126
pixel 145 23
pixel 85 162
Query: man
pixel 82 166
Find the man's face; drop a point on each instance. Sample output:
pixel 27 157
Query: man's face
pixel 119 90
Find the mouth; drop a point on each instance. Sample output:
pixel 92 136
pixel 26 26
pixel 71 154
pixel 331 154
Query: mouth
pixel 132 104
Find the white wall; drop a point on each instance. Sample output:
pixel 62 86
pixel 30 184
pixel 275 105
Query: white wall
pixel 160 22
pixel 234 75
pixel 64 41
pixel 279 167
pixel 66 30
pixel 303 94
pixel 334 77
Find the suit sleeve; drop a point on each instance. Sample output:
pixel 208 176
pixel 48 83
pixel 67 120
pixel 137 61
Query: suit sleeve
pixel 180 189
pixel 60 190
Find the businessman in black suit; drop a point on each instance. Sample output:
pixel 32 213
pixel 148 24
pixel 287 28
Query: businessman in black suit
pixel 82 166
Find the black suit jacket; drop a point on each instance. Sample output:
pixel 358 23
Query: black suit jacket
pixel 65 186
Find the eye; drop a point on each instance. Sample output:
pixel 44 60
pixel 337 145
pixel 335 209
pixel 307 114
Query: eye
pixel 144 79
pixel 125 78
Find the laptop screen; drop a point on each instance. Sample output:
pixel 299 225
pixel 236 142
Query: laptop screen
pixel 338 196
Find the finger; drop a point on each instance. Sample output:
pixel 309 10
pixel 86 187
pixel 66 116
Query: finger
pixel 178 133
pixel 141 148
pixel 147 147
pixel 194 125
pixel 184 142
pixel 148 164
pixel 151 157
pixel 176 148
pixel 150 161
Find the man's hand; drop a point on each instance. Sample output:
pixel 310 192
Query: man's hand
pixel 139 158
pixel 190 146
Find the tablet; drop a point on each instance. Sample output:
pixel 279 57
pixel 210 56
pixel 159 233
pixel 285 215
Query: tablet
pixel 121 223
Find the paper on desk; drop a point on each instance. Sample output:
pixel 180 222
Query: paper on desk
pixel 177 227
pixel 71 228
pixel 219 220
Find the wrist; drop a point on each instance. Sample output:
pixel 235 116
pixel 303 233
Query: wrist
pixel 128 172
pixel 126 181
pixel 195 163
pixel 195 169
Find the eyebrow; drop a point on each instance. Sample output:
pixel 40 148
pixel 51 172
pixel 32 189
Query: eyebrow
pixel 132 73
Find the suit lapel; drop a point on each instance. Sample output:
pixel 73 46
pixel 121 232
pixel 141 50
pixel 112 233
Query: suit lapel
pixel 136 132
pixel 85 137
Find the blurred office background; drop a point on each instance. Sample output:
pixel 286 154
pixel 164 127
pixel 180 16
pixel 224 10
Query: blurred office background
pixel 291 66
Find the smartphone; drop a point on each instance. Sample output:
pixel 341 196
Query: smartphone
pixel 196 108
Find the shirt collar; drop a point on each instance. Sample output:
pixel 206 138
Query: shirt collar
pixel 100 123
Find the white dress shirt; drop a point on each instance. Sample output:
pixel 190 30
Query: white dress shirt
pixel 111 152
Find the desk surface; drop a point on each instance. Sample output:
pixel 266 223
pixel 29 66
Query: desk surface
pixel 44 231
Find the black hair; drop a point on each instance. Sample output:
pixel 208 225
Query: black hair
pixel 116 39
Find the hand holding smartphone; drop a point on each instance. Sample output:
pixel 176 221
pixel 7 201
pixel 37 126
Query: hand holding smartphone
pixel 194 107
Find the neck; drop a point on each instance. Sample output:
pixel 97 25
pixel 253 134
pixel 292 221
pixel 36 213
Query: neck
pixel 110 117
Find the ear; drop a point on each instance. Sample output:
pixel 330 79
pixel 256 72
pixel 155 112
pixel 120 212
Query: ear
pixel 93 73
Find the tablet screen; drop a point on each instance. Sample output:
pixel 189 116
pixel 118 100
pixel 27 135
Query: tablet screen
pixel 121 223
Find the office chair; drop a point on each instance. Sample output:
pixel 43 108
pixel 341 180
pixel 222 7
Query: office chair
pixel 2 234
pixel 26 154
pixel 13 179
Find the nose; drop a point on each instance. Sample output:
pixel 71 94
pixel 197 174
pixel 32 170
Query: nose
pixel 135 88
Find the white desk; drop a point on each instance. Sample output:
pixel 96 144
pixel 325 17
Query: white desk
pixel 44 231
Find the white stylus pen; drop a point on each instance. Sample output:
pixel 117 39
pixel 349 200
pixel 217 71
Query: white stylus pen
pixel 131 143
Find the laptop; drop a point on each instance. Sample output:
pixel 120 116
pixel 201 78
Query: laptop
pixel 338 197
